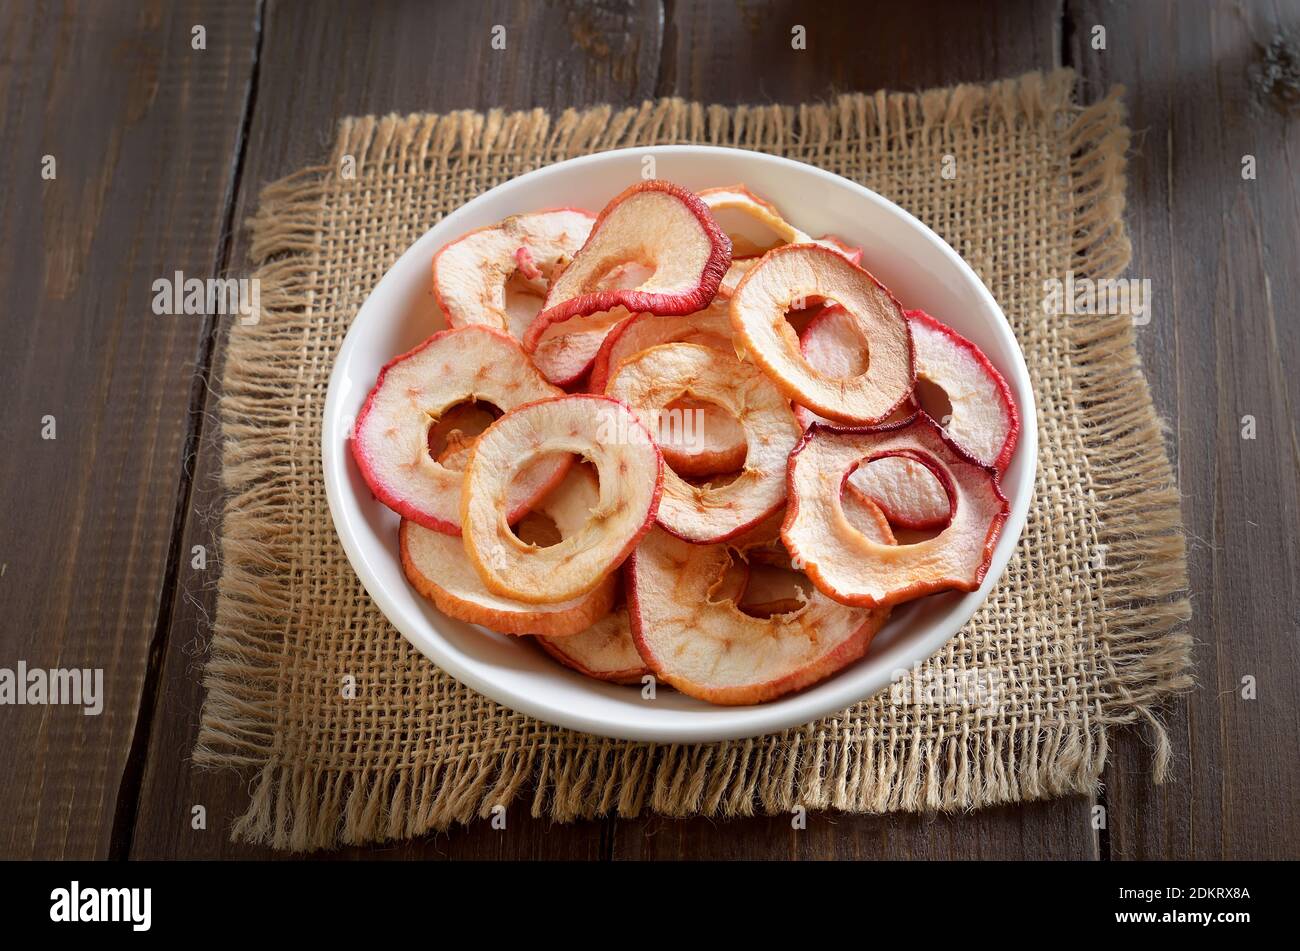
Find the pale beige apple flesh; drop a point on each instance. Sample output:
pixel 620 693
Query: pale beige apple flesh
pixel 629 467
pixel 786 277
pixel 654 378
pixel 477 278
pixel 847 565
pixel 435 564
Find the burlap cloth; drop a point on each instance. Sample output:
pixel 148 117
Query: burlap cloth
pixel 1086 630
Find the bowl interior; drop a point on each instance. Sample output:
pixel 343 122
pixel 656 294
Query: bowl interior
pixel 921 270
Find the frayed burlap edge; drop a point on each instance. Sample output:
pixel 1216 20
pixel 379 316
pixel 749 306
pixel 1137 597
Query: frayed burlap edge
pixel 1146 646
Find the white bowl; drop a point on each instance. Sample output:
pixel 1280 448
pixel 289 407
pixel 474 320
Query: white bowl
pixel 907 256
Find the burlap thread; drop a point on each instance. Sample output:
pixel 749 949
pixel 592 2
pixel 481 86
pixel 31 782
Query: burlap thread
pixel 1085 632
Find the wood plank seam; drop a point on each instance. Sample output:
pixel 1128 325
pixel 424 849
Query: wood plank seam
pixel 129 788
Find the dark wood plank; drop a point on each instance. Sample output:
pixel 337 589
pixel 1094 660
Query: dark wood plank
pixel 143 130
pixel 1222 344
pixel 743 52
pixel 1039 830
pixel 320 63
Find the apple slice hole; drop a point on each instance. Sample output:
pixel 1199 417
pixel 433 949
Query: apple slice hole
pixel 907 491
pixel 523 303
pixel 469 418
pixel 749 236
pixel 701 439
pixel 927 513
pixel 801 313
pixel 538 528
pixel 773 589
pixel 934 400
pixel 914 536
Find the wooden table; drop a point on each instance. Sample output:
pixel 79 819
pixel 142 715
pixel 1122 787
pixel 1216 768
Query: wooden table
pixel 160 149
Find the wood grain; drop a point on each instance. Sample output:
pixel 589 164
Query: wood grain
pixel 1038 830
pixel 745 51
pixel 143 130
pixel 1223 344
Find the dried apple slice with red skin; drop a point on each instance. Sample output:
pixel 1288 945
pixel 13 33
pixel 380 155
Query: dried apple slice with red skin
pixel 655 224
pixel 390 441
pixel 794 273
pixel 435 565
pixel 723 448
pixel 705 514
pixel 985 421
pixel 710 327
pixel 604 651
pixel 906 490
pixel 832 344
pixel 850 567
pixel 630 469
pixel 714 651
pixel 470 274
pixel 755 208
pixel 716 442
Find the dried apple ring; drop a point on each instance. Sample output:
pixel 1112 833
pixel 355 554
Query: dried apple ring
pixel 472 275
pixel 654 378
pixel 604 651
pixel 850 567
pixel 435 564
pixel 630 469
pixel 984 420
pixel 658 226
pixel 794 273
pixel 713 650
pixel 735 206
pixel 832 344
pixel 906 491
pixel 710 327
pixel 722 447
pixel 390 440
